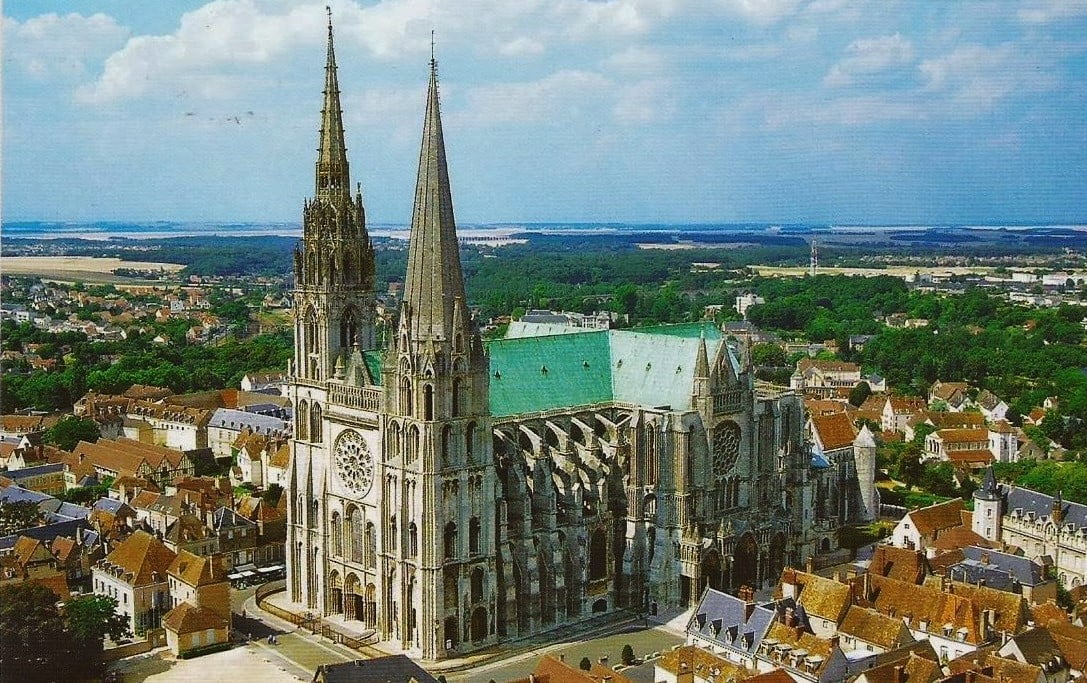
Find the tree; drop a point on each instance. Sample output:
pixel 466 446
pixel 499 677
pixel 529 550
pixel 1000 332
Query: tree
pixel 69 431
pixel 32 636
pixel 271 494
pixel 90 619
pixel 768 354
pixel 628 654
pixel 910 467
pixel 859 394
pixel 18 515
pixel 585 664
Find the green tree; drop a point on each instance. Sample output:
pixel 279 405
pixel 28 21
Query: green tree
pixel 585 664
pixel 33 639
pixel 768 354
pixel 90 619
pixel 70 430
pixel 859 393
pixel 910 467
pixel 18 515
pixel 628 654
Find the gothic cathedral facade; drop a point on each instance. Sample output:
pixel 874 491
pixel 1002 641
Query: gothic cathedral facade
pixel 445 495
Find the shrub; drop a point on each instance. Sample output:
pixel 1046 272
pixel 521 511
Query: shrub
pixel 585 664
pixel 628 654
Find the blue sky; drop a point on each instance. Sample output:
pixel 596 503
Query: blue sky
pixel 840 111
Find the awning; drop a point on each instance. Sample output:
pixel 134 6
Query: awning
pixel 247 574
pixel 249 566
pixel 269 570
pixel 235 577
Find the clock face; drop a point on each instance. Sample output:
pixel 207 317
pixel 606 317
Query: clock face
pixel 354 463
pixel 726 447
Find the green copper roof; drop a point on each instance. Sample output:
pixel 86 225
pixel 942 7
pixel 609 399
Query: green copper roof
pixel 373 363
pixel 530 374
pixel 650 366
pixel 692 330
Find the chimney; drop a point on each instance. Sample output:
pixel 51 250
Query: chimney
pixel 790 617
pixel 899 674
pixel 835 641
pixel 562 656
pixel 809 566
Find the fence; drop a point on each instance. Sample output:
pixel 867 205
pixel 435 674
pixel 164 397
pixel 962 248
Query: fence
pixel 895 512
pixel 312 623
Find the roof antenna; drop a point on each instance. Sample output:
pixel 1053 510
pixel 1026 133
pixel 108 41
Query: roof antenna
pixel 433 61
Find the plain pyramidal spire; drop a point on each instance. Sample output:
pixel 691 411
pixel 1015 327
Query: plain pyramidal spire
pixel 434 280
pixel 332 170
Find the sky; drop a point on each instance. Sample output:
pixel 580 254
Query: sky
pixel 822 111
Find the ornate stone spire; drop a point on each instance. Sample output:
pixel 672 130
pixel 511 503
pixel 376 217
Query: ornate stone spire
pixel 333 177
pixel 434 279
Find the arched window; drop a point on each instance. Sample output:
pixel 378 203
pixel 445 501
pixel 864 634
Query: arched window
pixel 353 526
pixel 392 448
pixel 428 402
pixel 313 513
pixel 474 531
pixel 457 387
pixel 447 445
pixel 598 555
pixel 315 430
pixel 309 335
pixel 413 540
pixel 348 329
pixel 469 441
pixel 301 421
pixel 411 445
pixel 477 584
pixel 392 533
pixel 405 396
pixel 450 541
pixel 337 534
pixel 371 545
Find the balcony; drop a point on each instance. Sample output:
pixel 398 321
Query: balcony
pixel 728 401
pixel 362 398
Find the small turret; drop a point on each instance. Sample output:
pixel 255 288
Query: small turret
pixel 987 519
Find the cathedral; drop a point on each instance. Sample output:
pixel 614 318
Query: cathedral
pixel 447 495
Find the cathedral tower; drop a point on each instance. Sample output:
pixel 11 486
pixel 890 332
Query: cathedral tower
pixel 334 326
pixel 439 476
pixel 334 264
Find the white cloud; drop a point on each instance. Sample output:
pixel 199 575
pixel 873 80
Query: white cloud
pixel 558 98
pixel 54 45
pixel 644 102
pixel 869 56
pixel 1046 11
pixel 636 60
pixel 521 46
pixel 761 11
pixel 978 76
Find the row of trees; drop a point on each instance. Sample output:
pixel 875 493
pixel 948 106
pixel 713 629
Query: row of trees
pixel 114 366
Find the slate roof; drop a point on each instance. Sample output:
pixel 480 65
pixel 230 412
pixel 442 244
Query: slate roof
pixel 722 619
pixel 46 532
pixel 226 418
pixel 1016 568
pixel 16 494
pixel 37 470
pixel 1042 505
pixel 654 367
pixel 225 518
pixel 389 669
